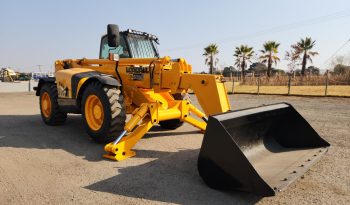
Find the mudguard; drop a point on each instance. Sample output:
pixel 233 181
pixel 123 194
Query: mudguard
pixel 91 76
pixel 42 81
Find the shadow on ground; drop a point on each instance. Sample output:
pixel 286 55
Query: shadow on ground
pixel 28 131
pixel 172 178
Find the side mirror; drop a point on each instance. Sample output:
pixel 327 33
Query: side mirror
pixel 113 35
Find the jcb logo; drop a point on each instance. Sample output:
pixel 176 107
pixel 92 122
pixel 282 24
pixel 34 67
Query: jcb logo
pixel 137 69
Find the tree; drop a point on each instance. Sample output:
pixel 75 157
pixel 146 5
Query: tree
pixel 294 60
pixel 210 53
pixel 303 48
pixel 243 54
pixel 277 71
pixel 338 60
pixel 227 72
pixel 341 69
pixel 297 72
pixel 341 60
pixel 269 55
pixel 258 67
pixel 313 70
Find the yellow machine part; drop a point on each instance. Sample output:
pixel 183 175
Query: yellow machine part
pixel 94 112
pixel 144 118
pixel 46 105
pixel 169 77
pixel 64 81
pixel 210 91
pixel 149 98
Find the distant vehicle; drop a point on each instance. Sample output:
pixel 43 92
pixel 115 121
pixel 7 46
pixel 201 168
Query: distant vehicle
pixel 24 76
pixel 38 75
pixel 7 75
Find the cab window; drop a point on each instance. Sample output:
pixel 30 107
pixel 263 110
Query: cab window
pixel 141 46
pixel 121 50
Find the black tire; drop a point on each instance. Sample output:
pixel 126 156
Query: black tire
pixel 114 114
pixel 56 117
pixel 173 124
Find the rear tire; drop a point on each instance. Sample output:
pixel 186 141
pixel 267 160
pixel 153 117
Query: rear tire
pixel 103 112
pixel 173 124
pixel 49 108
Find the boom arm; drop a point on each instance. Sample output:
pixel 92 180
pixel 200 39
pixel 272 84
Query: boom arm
pixel 210 91
pixel 177 75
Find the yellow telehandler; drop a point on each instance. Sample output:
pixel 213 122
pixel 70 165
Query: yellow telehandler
pixel 259 150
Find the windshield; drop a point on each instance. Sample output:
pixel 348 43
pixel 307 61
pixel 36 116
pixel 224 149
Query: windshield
pixel 130 46
pixel 141 46
pixel 121 49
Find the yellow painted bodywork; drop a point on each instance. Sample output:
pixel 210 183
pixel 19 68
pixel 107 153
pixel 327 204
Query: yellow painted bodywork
pixel 64 79
pixel 148 94
pixel 210 91
pixel 169 77
pixel 81 83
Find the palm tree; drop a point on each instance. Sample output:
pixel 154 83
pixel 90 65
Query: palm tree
pixel 303 47
pixel 210 53
pixel 243 55
pixel 269 55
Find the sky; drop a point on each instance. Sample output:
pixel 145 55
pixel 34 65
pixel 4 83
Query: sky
pixel 38 32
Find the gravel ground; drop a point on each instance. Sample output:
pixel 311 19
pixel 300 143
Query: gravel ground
pixel 61 165
pixel 18 86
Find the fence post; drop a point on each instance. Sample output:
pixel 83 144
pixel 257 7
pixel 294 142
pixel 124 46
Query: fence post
pixel 326 89
pixel 259 85
pixel 233 85
pixel 289 79
pixel 29 86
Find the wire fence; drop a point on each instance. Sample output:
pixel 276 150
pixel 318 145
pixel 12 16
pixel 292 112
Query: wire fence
pixel 325 85
pixel 308 80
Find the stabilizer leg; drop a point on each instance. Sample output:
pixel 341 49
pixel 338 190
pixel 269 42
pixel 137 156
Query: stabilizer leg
pixel 122 150
pixel 150 114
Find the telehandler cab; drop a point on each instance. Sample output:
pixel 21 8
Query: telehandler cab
pixel 259 150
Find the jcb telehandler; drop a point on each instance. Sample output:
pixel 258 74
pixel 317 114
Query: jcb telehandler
pixel 259 150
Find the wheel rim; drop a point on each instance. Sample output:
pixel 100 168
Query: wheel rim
pixel 94 114
pixel 46 105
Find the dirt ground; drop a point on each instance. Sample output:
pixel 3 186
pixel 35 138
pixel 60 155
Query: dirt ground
pixel 61 165
pixel 18 86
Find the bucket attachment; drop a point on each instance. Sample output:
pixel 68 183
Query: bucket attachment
pixel 259 150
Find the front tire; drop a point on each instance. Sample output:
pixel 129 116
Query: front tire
pixel 49 108
pixel 103 112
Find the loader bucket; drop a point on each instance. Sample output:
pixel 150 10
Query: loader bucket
pixel 259 150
